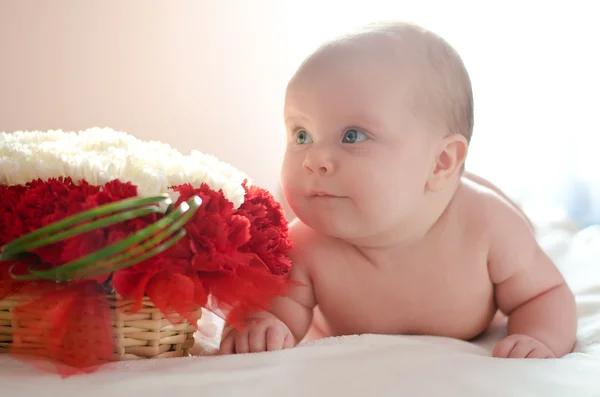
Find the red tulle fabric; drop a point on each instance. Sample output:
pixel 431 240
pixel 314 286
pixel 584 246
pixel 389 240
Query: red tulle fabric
pixel 233 261
pixel 69 325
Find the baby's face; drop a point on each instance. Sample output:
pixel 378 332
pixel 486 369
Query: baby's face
pixel 357 159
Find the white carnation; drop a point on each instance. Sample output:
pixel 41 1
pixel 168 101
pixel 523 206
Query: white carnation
pixel 100 155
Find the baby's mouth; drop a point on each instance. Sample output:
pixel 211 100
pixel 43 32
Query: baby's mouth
pixel 323 195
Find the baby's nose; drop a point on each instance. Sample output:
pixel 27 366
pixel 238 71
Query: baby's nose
pixel 318 161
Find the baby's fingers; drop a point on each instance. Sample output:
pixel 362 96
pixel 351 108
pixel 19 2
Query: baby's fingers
pixel 540 353
pixel 241 343
pixel 227 345
pixel 521 346
pixel 521 349
pixel 504 347
pixel 257 341
pixel 275 339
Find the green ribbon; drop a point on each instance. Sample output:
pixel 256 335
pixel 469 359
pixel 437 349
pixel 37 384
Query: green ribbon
pixel 133 249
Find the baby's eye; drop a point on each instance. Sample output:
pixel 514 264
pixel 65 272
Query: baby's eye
pixel 302 137
pixel 352 136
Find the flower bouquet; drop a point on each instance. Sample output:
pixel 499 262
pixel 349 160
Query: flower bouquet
pixel 112 246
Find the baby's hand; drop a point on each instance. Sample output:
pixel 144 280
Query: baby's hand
pixel 521 346
pixel 261 334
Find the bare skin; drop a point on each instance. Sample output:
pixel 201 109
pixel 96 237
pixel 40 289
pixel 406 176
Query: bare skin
pixel 391 236
pixel 478 188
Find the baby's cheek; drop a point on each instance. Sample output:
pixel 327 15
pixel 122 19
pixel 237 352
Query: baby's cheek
pixel 386 204
pixel 290 184
pixel 291 168
pixel 294 198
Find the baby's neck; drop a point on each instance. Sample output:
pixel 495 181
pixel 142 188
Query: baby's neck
pixel 410 233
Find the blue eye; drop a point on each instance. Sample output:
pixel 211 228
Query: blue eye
pixel 353 136
pixel 302 137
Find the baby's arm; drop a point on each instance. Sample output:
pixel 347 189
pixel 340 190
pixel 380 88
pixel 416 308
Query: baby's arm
pixel 290 316
pixel 529 289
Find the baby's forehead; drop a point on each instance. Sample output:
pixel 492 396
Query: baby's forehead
pixel 372 62
pixel 354 70
pixel 399 49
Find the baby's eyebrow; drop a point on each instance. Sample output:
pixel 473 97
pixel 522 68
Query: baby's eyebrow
pixel 367 122
pixel 296 119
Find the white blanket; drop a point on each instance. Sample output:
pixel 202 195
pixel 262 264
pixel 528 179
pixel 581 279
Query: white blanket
pixel 367 365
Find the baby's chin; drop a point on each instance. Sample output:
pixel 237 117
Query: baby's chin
pixel 331 225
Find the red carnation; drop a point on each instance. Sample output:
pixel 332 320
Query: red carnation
pixel 268 229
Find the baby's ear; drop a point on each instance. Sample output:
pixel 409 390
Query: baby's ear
pixel 450 156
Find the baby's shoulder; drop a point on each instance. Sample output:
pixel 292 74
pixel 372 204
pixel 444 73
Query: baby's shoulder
pixel 309 245
pixel 488 206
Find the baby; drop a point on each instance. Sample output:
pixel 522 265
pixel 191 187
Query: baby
pixel 391 236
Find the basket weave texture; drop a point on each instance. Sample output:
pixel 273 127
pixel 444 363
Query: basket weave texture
pixel 144 334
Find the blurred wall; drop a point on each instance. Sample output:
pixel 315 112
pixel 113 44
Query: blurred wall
pixel 210 75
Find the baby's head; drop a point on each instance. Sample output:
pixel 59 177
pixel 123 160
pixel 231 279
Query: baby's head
pixel 378 124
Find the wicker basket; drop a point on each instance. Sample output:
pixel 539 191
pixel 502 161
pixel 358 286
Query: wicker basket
pixel 142 335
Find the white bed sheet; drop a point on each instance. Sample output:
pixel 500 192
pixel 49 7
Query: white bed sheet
pixel 367 365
